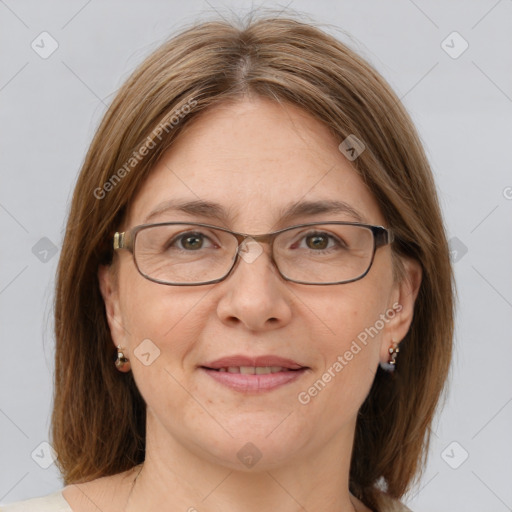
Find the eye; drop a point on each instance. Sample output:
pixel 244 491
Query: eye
pixel 191 241
pixel 322 241
pixel 317 241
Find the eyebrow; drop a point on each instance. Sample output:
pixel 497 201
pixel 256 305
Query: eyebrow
pixel 288 213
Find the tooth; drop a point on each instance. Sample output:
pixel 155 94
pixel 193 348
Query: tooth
pixel 251 370
pixel 262 370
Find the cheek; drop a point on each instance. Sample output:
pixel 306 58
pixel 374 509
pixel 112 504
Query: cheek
pixel 164 325
pixel 349 335
pixel 153 310
pixel 345 313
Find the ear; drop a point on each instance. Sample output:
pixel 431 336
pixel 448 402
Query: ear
pixel 110 292
pixel 403 298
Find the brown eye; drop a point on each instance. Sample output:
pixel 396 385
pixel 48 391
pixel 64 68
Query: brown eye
pixel 317 241
pixel 192 241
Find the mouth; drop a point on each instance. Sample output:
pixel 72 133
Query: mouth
pixel 253 370
pixel 254 374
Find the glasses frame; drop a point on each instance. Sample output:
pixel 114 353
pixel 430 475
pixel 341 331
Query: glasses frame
pixel 126 240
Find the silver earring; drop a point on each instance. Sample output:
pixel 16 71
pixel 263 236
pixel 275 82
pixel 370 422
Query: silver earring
pixel 393 350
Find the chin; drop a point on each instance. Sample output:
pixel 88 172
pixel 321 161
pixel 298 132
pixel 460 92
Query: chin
pixel 257 444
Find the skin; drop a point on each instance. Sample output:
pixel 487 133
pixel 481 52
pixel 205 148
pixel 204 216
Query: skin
pixel 254 157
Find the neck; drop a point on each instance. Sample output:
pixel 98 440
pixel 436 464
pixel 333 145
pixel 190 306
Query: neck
pixel 178 477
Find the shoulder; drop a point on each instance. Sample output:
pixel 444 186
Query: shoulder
pixel 54 502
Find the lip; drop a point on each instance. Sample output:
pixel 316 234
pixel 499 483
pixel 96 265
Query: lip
pixel 257 383
pixel 247 383
pixel 242 360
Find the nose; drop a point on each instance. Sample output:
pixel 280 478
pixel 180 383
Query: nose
pixel 254 294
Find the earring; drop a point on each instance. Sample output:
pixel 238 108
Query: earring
pixel 122 362
pixel 393 353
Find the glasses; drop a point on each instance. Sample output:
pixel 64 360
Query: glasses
pixel 191 254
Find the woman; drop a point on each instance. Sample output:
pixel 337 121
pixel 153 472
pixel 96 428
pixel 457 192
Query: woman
pixel 254 304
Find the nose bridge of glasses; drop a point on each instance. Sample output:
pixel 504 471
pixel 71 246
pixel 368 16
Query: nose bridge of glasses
pixel 265 238
pixel 250 247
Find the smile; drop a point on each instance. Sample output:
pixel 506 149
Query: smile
pixel 253 370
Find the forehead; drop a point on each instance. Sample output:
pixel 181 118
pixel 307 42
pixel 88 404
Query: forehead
pixel 255 159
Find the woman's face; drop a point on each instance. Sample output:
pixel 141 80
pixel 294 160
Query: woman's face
pixel 254 159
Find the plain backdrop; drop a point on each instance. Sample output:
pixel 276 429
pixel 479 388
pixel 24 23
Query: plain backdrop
pixel 449 61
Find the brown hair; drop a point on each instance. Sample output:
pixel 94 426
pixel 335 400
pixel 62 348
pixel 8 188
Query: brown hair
pixel 98 422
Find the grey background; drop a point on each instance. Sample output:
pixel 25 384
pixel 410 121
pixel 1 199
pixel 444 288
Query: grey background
pixel 462 107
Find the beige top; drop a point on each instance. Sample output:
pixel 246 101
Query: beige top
pixel 55 502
